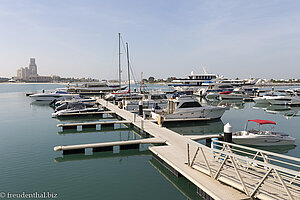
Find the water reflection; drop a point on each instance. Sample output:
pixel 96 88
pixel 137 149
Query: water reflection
pixel 197 127
pixel 98 155
pixel 181 184
pixel 276 149
pixel 40 103
pixel 236 104
pixel 287 111
pixel 261 105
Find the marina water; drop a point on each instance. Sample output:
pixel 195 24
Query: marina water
pixel 29 164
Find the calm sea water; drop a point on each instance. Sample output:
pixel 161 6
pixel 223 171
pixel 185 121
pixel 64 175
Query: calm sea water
pixel 29 164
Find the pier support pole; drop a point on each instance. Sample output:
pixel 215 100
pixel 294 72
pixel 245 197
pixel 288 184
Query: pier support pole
pixel 160 120
pixel 140 108
pixel 208 142
pixel 228 133
pixel 134 117
pixel 142 125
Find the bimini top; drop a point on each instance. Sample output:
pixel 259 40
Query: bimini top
pixel 260 121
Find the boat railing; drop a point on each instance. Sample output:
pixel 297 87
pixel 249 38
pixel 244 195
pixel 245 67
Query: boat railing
pixel 254 171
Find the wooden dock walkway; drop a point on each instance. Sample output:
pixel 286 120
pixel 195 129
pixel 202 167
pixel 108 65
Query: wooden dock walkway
pixel 218 173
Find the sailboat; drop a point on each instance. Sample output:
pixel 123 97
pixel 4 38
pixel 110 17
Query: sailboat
pixel 123 94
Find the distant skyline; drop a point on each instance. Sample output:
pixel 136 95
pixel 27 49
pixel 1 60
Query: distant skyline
pixel 76 38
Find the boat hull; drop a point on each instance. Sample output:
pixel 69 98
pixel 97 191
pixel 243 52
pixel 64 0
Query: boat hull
pixel 208 113
pixel 44 97
pixel 70 111
pixel 260 100
pixel 232 96
pixel 279 100
pixel 262 141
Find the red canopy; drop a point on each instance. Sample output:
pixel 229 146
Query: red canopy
pixel 226 92
pixel 260 121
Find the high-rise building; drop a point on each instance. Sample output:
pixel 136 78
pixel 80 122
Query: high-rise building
pixel 32 67
pixel 27 72
pixel 21 73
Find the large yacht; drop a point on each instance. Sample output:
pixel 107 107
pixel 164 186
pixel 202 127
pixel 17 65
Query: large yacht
pixel 186 107
pixel 193 82
pixel 94 88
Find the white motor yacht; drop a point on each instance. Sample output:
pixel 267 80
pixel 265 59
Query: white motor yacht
pixel 260 137
pixel 264 99
pixel 292 91
pixel 76 108
pixel 57 95
pixel 149 101
pixel 237 93
pixel 280 99
pixel 185 107
pixel 213 90
pixel 295 102
pixel 212 95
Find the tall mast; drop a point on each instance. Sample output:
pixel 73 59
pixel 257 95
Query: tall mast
pixel 119 60
pixel 128 67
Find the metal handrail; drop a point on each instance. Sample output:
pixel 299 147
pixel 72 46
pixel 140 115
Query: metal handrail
pixel 263 151
pixel 284 178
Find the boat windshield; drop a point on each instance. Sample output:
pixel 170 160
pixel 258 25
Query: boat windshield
pixel 190 104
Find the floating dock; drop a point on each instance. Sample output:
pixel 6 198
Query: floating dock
pixel 91 124
pixel 107 146
pixel 219 173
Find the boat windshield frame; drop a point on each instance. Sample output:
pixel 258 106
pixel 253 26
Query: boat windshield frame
pixel 260 122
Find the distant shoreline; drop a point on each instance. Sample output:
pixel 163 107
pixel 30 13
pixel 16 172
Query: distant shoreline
pixel 19 83
pixel 157 83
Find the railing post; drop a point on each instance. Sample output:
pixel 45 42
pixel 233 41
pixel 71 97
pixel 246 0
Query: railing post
pixel 188 154
pixel 142 124
pixel 134 117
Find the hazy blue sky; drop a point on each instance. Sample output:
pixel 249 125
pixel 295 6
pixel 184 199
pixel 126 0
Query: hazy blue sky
pixel 72 38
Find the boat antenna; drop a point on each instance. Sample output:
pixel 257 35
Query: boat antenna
pixel 128 67
pixel 119 60
pixel 204 70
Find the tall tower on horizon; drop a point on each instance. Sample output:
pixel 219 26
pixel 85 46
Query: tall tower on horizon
pixel 32 67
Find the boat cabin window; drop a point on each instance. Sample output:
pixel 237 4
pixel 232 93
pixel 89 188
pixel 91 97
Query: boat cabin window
pixel 154 97
pixel 190 104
